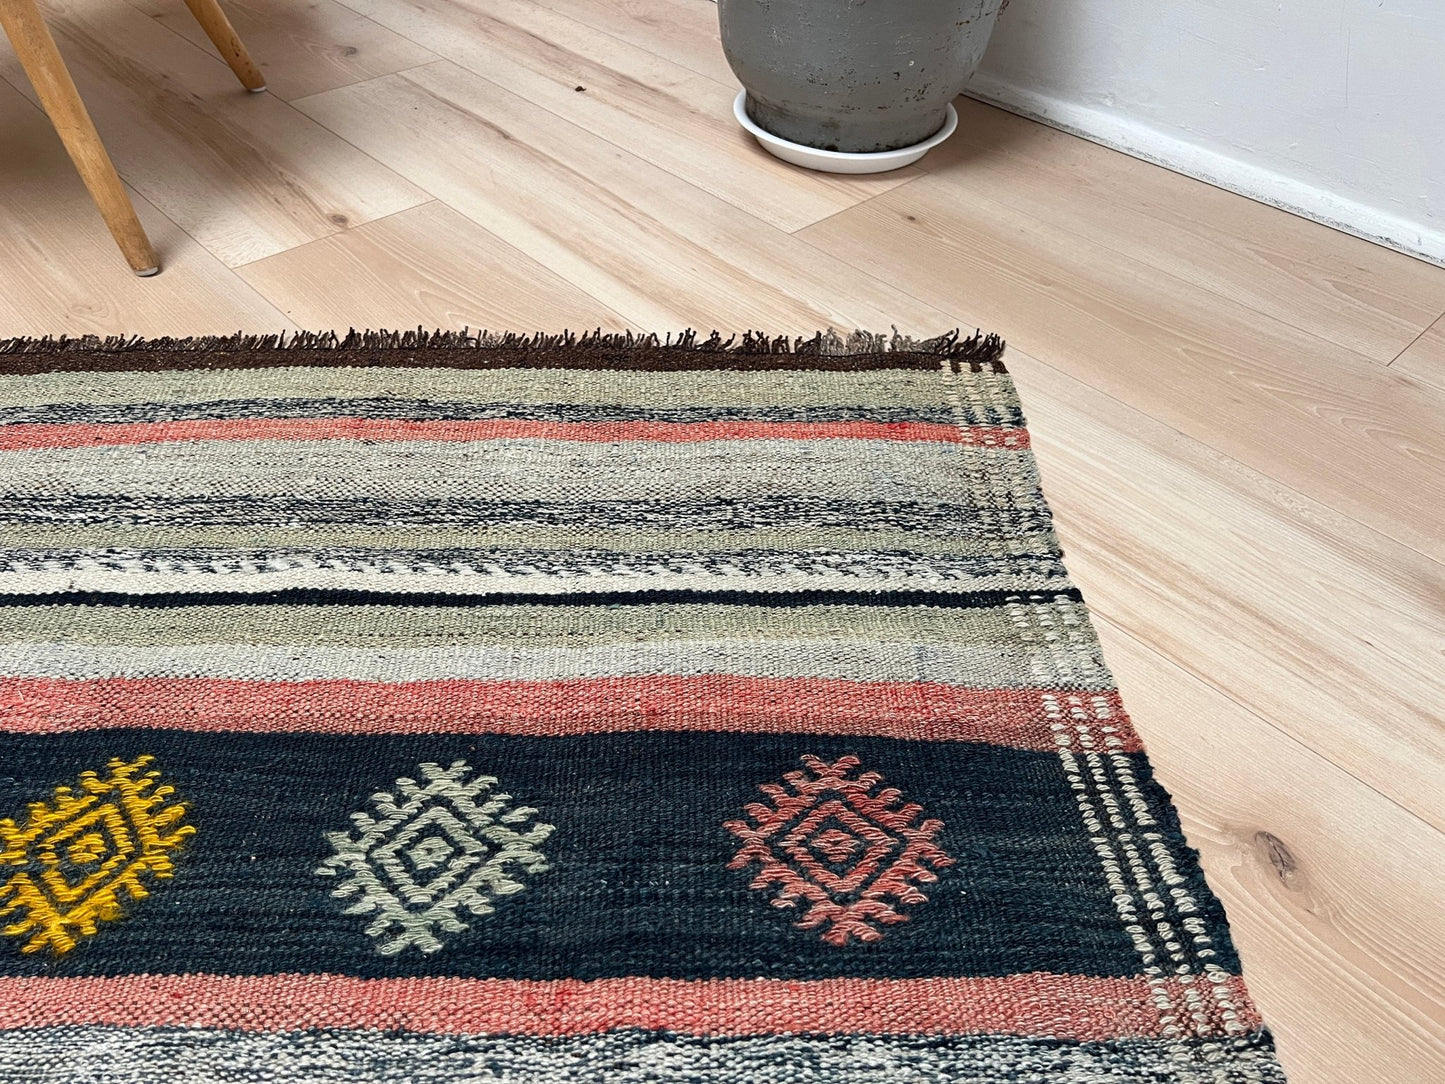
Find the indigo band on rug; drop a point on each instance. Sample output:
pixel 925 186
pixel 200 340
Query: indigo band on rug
pixel 452 707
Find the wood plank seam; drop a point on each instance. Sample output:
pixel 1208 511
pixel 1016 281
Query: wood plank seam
pixel 1438 322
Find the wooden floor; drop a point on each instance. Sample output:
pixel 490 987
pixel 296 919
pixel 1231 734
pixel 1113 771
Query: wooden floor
pixel 1240 415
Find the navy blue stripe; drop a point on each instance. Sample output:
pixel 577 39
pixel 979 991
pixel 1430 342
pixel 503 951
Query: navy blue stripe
pixel 445 410
pixel 307 596
pixel 709 514
pixel 638 884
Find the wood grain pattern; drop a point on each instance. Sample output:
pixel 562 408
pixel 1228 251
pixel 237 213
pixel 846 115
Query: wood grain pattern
pixel 59 270
pixel 1332 891
pixel 45 68
pixel 1317 417
pixel 428 266
pixel 656 250
pixel 1248 493
pixel 1358 295
pixel 642 102
pixel 1424 359
pixel 213 21
pixel 303 48
pixel 1328 631
pixel 244 174
pixel 685 33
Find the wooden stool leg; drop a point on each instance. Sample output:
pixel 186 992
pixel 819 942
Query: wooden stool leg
pixel 223 36
pixel 43 63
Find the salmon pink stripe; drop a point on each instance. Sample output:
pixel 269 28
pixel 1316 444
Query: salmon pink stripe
pixel 1019 718
pixel 1074 1007
pixel 17 437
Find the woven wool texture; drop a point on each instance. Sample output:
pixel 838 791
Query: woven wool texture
pixel 447 708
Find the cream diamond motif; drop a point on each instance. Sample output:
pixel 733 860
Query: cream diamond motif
pixel 431 849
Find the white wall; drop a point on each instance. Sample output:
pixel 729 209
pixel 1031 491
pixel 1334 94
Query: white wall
pixel 1332 108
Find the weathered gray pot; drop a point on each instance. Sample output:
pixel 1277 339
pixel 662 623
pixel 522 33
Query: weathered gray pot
pixel 854 75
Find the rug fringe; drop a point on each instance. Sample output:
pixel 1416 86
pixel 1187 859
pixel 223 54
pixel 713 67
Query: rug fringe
pixel 977 349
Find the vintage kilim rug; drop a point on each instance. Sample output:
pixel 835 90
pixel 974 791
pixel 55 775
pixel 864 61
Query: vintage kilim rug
pixel 446 708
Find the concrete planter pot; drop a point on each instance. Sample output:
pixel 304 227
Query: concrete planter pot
pixel 854 76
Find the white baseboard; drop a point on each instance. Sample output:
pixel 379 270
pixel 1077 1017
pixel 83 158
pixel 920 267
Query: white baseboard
pixel 1122 134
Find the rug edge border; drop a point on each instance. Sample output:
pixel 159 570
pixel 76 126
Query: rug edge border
pixel 27 355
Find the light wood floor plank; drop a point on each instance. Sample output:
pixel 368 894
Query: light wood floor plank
pixel 1332 891
pixel 1326 629
pixel 244 174
pixel 1424 359
pixel 684 31
pixel 654 249
pixel 644 103
pixel 428 266
pixel 61 272
pixel 302 48
pixel 1359 295
pixel 1313 415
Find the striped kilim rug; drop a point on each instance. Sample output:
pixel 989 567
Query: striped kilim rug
pixel 446 708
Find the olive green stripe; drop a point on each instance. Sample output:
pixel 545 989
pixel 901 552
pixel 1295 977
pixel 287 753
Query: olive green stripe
pixel 46 536
pixel 903 388
pixel 1061 625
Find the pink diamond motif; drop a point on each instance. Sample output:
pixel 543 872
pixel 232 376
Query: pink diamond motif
pixel 850 854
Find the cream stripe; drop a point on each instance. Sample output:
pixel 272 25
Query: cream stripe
pixel 382 579
pixel 986 667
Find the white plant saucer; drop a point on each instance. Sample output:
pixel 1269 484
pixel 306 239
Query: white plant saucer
pixel 840 161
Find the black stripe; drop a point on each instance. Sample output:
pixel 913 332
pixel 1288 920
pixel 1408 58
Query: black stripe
pixel 638 883
pixel 708 514
pixel 311 596
pixel 379 407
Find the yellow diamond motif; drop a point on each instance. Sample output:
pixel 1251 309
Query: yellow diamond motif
pixel 66 869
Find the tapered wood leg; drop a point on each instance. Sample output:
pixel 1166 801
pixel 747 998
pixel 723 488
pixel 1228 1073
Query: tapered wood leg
pixel 43 63
pixel 223 36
